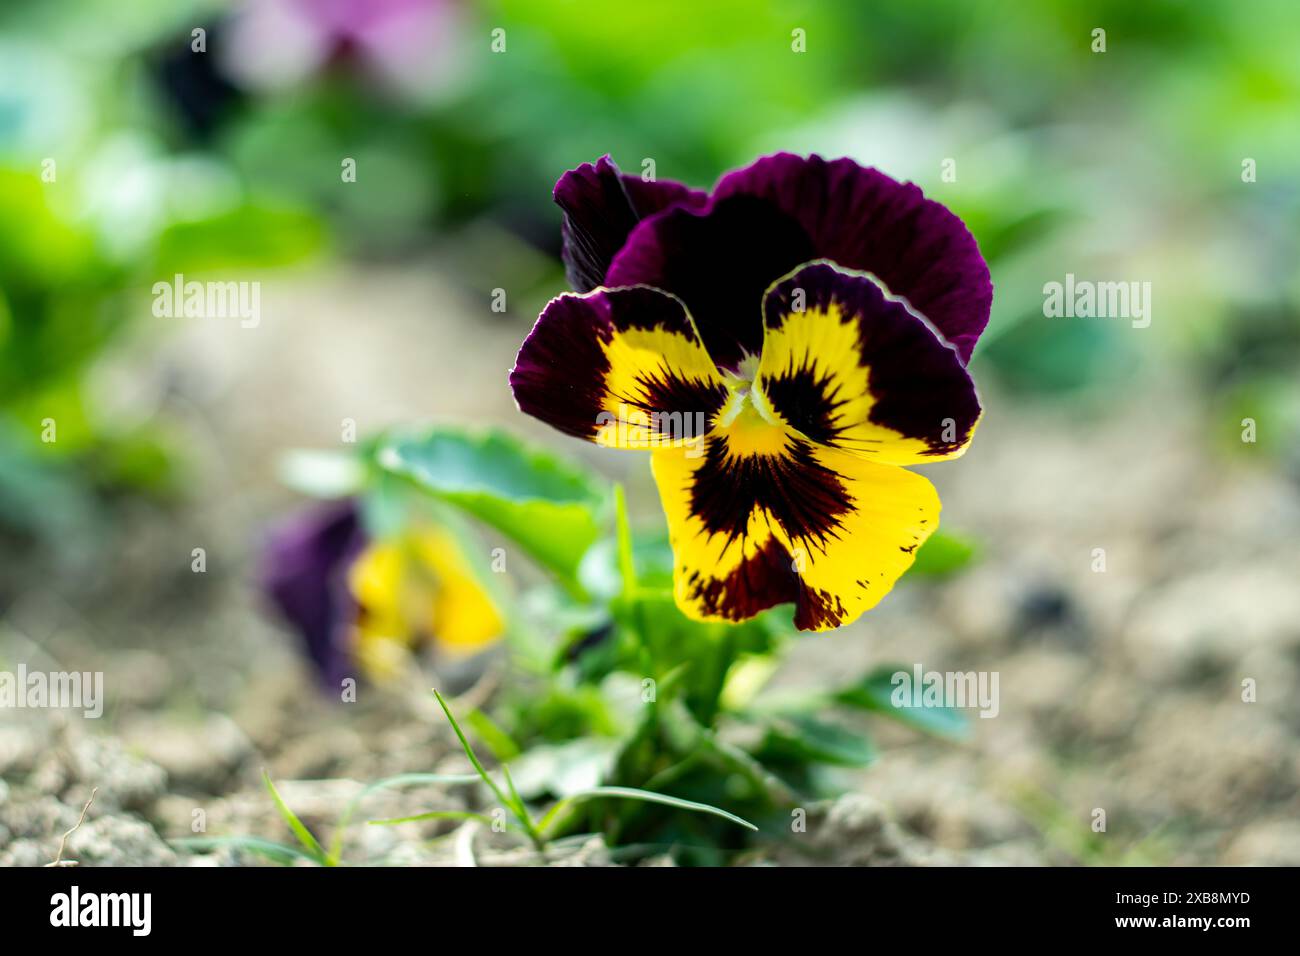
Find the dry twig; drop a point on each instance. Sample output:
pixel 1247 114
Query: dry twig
pixel 58 857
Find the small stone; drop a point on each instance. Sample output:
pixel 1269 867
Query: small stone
pixel 123 780
pixel 858 829
pixel 205 757
pixel 38 818
pixel 1267 843
pixel 118 840
pixel 20 747
pixel 25 853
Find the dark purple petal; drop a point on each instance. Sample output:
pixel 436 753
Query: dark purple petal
pixel 783 210
pixel 861 218
pixel 304 573
pixel 719 263
pixel 601 207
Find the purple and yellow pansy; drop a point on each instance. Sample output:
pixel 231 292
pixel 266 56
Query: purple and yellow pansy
pixel 363 605
pixel 817 317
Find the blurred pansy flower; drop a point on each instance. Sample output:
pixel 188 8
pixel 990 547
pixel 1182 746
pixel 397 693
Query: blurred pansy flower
pixel 367 604
pixel 413 47
pixel 815 318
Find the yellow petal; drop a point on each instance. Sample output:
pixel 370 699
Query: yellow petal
pixel 822 529
pixel 463 617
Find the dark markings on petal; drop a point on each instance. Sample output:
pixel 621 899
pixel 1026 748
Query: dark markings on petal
pixel 920 391
pixel 763 580
pixel 801 493
pixel 921 388
pixel 672 397
pixel 807 399
pixel 816 609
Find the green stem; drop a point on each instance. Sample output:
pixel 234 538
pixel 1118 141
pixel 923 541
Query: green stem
pixel 631 590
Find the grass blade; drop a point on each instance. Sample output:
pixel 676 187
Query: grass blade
pixel 496 739
pixel 469 751
pixel 515 805
pixel 434 815
pixel 305 837
pixel 631 793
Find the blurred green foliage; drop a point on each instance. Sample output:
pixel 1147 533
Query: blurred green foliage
pixel 1125 164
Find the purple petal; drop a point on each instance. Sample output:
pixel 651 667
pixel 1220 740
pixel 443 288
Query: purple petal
pixel 719 263
pixel 601 207
pixel 303 572
pixel 862 219
pixel 783 210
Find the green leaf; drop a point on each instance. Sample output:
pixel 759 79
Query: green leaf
pixel 652 556
pixel 275 852
pixel 567 768
pixel 875 692
pixel 943 554
pixel 631 793
pixel 469 751
pixel 550 508
pixel 803 739
pixel 250 236
pixel 309 842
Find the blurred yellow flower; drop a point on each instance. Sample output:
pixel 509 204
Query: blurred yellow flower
pixel 414 590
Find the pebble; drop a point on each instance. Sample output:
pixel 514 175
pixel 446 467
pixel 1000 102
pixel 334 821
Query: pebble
pixel 204 756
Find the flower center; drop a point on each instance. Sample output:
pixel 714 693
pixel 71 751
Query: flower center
pixel 748 421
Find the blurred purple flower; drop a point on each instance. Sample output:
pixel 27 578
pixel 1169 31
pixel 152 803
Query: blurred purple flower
pixel 304 572
pixel 362 606
pixel 413 47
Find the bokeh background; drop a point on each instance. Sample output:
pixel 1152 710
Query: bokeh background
pixel 1173 157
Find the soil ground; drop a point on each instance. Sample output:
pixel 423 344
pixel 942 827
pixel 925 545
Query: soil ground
pixel 1120 690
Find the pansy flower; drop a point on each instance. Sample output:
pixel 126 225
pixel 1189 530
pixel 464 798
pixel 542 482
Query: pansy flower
pixel 366 604
pixel 817 318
